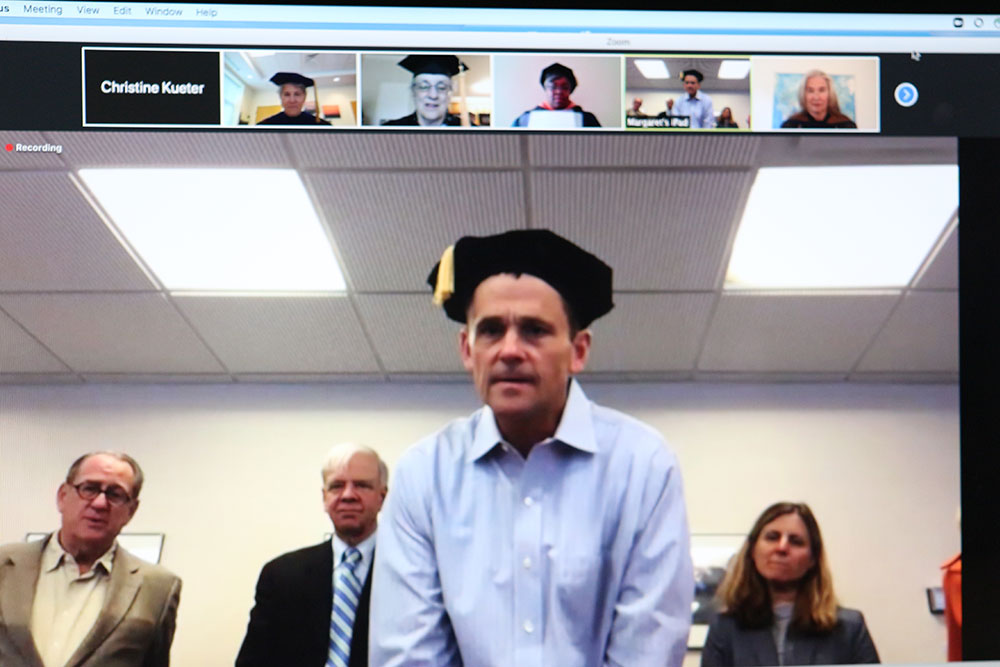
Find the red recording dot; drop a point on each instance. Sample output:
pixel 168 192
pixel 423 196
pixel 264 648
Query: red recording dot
pixel 10 147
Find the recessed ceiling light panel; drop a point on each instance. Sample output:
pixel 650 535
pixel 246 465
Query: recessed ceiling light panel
pixel 841 227
pixel 734 69
pixel 652 68
pixel 233 230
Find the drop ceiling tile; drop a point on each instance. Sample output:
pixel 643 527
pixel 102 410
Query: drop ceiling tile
pixel 942 273
pixel 642 149
pixel 239 150
pixel 801 150
pixel 411 335
pixel 406 150
pixel 390 229
pixel 794 332
pixel 157 378
pixel 20 353
pixel 921 336
pixel 38 378
pixel 276 334
pixel 654 333
pixel 112 333
pixel 658 230
pixel 51 239
pixel 28 157
pixel 901 377
pixel 309 378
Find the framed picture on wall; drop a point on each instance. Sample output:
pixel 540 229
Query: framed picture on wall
pixel 147 546
pixel 711 554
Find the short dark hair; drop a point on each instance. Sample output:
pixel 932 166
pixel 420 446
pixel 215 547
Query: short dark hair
pixel 137 476
pixel 692 72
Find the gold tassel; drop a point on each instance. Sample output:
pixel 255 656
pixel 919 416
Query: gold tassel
pixel 446 277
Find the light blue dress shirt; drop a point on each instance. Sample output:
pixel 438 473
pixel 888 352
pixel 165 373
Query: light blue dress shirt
pixel 699 109
pixel 577 555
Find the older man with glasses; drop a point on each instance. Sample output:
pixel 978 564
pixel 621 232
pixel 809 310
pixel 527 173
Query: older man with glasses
pixel 77 598
pixel 431 88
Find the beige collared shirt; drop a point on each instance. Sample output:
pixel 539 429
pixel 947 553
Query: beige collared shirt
pixel 67 603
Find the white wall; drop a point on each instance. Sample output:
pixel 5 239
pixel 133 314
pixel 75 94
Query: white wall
pixel 233 477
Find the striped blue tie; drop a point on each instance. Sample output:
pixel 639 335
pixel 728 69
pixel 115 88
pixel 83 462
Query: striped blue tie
pixel 346 593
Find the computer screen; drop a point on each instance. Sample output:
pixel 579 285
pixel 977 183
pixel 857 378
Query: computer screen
pixel 219 220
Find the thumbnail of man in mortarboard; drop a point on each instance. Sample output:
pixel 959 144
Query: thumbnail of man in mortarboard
pixel 292 87
pixel 558 82
pixel 432 88
pixel 544 529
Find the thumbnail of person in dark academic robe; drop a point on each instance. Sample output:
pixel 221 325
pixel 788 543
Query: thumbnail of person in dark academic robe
pixel 292 89
pixel 558 82
pixel 431 88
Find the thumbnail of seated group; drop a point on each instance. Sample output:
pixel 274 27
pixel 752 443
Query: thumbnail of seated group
pixel 509 499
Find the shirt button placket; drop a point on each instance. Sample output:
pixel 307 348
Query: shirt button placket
pixel 527 582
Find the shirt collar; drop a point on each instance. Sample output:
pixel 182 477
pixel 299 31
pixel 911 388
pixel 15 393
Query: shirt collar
pixel 575 429
pixel 54 555
pixel 366 547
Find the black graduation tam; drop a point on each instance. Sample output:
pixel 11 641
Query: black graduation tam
pixel 582 279
pixel 693 72
pixel 557 70
pixel 430 64
pixel 281 78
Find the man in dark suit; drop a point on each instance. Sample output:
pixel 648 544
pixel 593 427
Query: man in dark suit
pixel 310 612
pixel 78 599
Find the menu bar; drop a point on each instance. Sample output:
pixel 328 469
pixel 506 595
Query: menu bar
pixel 510 20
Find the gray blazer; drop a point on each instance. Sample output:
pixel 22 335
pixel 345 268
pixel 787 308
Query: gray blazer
pixel 135 626
pixel 729 645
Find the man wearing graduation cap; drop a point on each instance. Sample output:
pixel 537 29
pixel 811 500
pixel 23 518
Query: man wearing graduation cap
pixel 431 88
pixel 293 98
pixel 558 82
pixel 696 104
pixel 543 529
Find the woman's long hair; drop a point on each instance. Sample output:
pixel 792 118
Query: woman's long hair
pixel 744 592
pixel 832 104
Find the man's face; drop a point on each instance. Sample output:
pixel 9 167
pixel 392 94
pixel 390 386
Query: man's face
pixel 557 91
pixel 636 104
pixel 431 96
pixel 670 103
pixel 518 348
pixel 691 84
pixel 292 99
pixel 95 523
pixel 352 496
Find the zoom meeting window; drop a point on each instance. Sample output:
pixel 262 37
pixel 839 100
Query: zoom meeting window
pixel 180 198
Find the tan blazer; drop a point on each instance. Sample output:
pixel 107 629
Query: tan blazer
pixel 135 626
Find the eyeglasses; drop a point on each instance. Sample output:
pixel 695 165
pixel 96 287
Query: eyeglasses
pixel 425 87
pixel 115 495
